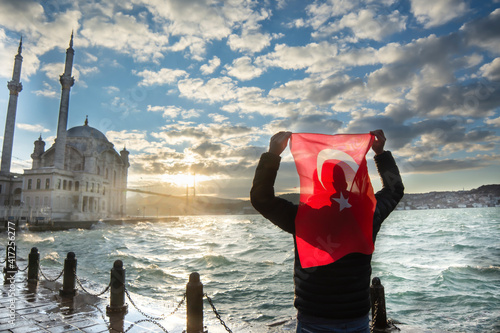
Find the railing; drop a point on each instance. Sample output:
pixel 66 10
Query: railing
pixel 118 292
pixel 193 297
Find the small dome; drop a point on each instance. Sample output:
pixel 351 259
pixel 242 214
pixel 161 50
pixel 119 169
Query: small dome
pixel 86 131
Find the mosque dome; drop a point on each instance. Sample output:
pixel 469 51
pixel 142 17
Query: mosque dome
pixel 86 131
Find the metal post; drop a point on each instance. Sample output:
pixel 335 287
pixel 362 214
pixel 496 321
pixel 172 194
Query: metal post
pixel 69 280
pixel 10 268
pixel 379 315
pixel 194 304
pixel 33 265
pixel 117 291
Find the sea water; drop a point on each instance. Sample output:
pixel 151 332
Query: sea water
pixel 440 268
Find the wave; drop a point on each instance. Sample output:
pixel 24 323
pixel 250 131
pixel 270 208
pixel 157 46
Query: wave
pixel 33 238
pixel 213 261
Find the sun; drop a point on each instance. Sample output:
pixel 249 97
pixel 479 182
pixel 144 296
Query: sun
pixel 179 180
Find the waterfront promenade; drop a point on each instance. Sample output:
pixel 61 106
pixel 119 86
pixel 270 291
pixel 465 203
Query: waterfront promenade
pixel 27 308
pixel 33 309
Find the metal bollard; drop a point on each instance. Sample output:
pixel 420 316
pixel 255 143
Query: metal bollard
pixel 33 265
pixel 10 268
pixel 117 291
pixel 194 304
pixel 377 296
pixel 69 281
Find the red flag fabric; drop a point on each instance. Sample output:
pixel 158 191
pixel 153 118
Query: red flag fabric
pixel 335 215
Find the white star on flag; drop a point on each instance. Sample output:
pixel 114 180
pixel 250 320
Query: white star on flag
pixel 343 202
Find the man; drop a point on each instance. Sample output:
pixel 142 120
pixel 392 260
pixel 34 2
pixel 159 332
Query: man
pixel 337 295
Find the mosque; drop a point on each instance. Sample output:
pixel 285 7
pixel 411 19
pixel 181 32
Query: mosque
pixel 81 177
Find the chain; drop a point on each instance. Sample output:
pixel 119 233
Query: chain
pixel 50 280
pixel 217 313
pixel 146 320
pixel 102 316
pixel 151 317
pixel 391 323
pixel 24 269
pixel 88 292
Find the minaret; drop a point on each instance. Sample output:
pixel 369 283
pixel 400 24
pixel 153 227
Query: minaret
pixel 15 88
pixel 37 153
pixel 67 82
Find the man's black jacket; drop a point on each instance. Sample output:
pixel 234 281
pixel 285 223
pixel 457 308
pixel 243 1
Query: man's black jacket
pixel 340 290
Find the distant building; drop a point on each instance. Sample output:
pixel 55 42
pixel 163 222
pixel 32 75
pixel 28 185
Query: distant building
pixel 80 177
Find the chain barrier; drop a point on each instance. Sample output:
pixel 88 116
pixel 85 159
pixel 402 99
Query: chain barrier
pixel 24 269
pixel 217 313
pixel 108 325
pixel 390 323
pixel 151 317
pixel 374 317
pixel 103 316
pixel 51 280
pixel 146 320
pixel 88 292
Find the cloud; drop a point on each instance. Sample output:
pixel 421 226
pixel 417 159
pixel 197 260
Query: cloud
pixel 217 117
pixel 196 23
pixel 313 57
pixel 432 13
pixel 111 90
pixel 214 90
pixel 250 42
pixel 215 150
pixel 484 32
pixel 173 112
pixel 162 77
pixel 32 128
pixel 491 71
pixel 243 69
pixel 125 34
pixel 48 91
pixel 431 166
pixel 493 121
pixel 212 65
pixel 134 140
pixel 366 24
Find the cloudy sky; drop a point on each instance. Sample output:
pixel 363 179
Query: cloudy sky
pixel 199 86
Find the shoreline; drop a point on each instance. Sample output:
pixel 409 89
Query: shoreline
pixel 66 225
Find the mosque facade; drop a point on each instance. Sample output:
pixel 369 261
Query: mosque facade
pixel 81 177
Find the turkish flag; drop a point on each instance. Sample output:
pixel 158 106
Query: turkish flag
pixel 335 215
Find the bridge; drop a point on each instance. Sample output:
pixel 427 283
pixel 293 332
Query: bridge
pixel 147 192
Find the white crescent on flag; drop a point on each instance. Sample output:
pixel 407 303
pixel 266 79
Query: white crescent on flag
pixel 333 154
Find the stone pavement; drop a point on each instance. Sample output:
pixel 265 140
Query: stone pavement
pixel 25 308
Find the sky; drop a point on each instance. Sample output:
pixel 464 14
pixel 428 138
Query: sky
pixel 194 89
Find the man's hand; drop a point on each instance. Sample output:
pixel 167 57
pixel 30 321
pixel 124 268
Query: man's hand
pixel 278 142
pixel 378 144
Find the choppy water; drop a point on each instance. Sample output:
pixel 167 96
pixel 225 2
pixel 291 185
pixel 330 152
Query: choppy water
pixel 440 268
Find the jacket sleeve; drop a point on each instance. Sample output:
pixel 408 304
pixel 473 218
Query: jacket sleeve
pixel 277 210
pixel 392 189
